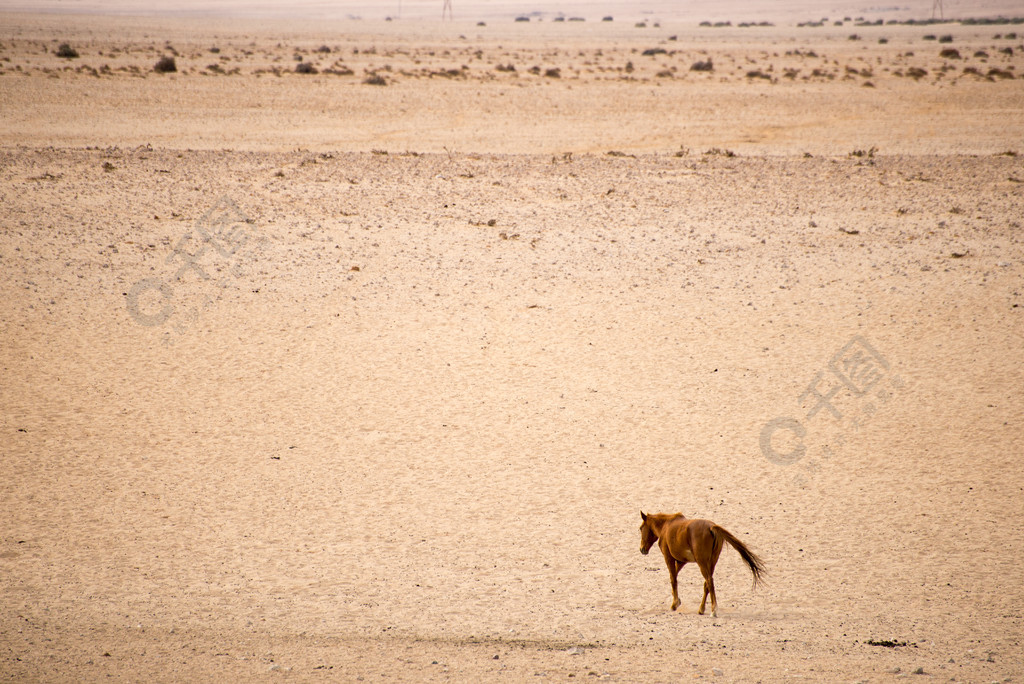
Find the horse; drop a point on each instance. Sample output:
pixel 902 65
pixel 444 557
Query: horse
pixel 697 541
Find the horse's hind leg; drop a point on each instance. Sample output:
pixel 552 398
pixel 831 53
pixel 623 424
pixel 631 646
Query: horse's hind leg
pixel 709 588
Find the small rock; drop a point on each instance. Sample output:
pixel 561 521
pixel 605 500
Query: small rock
pixel 919 670
pixel 717 671
pixel 575 650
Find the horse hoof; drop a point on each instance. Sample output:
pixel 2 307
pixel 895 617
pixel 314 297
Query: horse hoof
pixel 714 613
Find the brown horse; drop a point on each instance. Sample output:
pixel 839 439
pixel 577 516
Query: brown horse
pixel 697 541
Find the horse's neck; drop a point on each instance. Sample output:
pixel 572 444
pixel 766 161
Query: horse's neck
pixel 661 519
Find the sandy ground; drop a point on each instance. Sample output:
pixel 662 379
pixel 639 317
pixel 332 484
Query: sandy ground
pixel 308 379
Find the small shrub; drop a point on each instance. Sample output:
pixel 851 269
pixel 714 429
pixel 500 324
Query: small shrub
pixel 950 53
pixel 853 36
pixel 869 153
pixel 553 72
pixel 650 52
pixel 995 73
pixel 883 41
pixel 702 66
pixel 324 49
pixel 165 65
pixel 305 68
pixel 946 38
pixel 930 36
pixel 375 79
pixel 65 51
pixel 522 18
pixel 608 19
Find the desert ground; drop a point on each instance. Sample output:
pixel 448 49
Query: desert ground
pixel 366 373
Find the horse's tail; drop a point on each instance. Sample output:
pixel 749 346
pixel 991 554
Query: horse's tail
pixel 756 565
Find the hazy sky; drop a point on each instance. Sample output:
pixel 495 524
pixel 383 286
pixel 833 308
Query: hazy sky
pixel 593 10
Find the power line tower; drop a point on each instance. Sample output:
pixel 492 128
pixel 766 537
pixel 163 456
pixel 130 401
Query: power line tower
pixel 447 9
pixel 937 5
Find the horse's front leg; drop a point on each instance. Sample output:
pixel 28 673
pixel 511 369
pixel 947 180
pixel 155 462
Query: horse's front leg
pixel 673 573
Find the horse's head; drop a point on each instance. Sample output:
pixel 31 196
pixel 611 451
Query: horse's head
pixel 647 535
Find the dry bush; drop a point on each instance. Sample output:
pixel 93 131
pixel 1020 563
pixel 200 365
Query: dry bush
pixel 165 65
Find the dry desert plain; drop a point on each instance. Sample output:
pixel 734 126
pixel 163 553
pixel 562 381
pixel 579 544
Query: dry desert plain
pixel 307 378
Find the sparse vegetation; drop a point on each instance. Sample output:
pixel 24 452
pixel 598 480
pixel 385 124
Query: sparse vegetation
pixel 375 79
pixel 702 66
pixel 65 51
pixel 305 68
pixel 868 153
pixel 165 65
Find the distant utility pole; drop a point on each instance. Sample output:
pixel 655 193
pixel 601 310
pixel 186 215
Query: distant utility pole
pixel 447 9
pixel 937 5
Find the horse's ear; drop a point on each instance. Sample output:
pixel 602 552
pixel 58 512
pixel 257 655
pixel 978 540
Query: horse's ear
pixel 643 515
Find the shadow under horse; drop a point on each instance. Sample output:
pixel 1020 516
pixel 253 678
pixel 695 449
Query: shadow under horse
pixel 699 541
